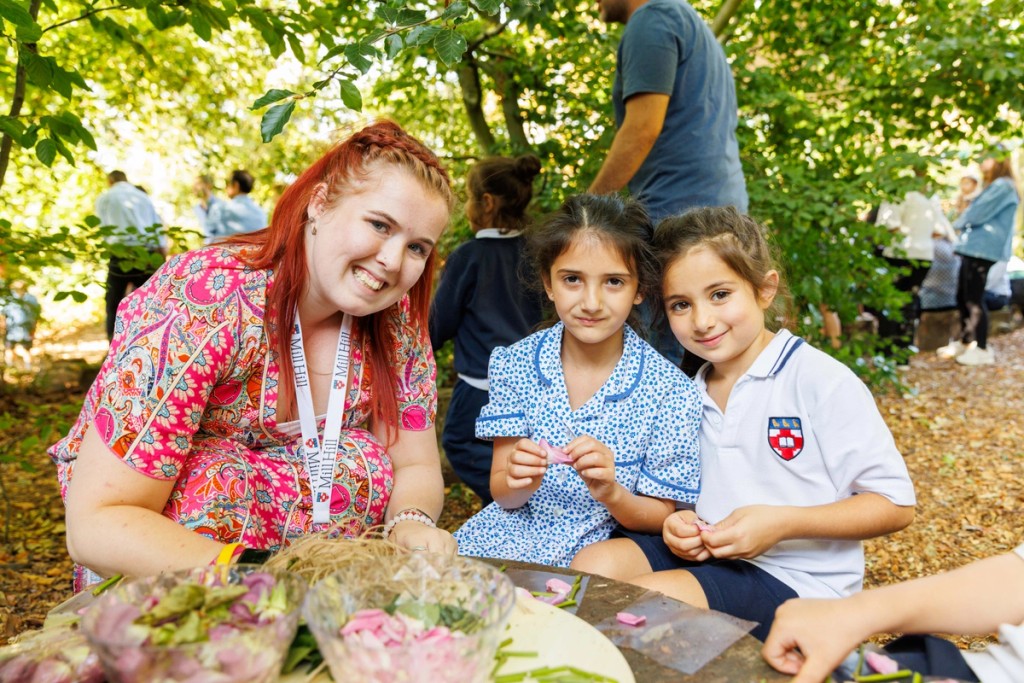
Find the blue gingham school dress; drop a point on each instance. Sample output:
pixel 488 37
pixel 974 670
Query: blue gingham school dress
pixel 648 414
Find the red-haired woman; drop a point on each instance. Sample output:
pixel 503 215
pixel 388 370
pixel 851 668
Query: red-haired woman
pixel 274 384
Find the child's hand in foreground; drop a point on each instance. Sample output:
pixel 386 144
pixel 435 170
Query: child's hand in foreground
pixel 683 537
pixel 810 638
pixel 747 532
pixel 526 465
pixel 595 463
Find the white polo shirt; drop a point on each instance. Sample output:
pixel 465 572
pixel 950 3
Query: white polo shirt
pixel 800 429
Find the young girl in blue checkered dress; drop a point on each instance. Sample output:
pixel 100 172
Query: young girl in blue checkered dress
pixel 592 428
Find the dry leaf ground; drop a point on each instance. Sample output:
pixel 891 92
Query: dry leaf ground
pixel 959 428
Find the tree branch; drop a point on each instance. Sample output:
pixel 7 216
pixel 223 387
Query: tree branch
pixel 84 15
pixel 17 99
pixel 472 99
pixel 725 14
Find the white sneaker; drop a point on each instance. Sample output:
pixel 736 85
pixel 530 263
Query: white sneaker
pixel 976 356
pixel 951 350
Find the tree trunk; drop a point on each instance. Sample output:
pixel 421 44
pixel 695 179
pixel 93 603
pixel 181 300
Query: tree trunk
pixel 17 100
pixel 509 88
pixel 472 98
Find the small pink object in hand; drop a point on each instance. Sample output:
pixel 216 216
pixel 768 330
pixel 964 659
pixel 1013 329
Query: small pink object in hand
pixel 631 619
pixel 702 525
pixel 555 454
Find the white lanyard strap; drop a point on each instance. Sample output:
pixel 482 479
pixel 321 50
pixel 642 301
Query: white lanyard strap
pixel 320 458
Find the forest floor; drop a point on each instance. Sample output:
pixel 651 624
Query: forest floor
pixel 959 429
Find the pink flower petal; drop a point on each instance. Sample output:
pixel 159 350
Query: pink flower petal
pixel 879 663
pixel 631 619
pixel 555 454
pixel 703 526
pixel 365 620
pixel 555 585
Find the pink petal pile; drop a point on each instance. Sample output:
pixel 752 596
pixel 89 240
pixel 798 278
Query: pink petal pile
pixel 389 648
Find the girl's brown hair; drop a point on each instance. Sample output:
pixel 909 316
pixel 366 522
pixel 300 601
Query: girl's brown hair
pixel 281 248
pixel 510 182
pixel 735 238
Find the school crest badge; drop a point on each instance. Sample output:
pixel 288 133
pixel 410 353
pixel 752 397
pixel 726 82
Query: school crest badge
pixel 785 436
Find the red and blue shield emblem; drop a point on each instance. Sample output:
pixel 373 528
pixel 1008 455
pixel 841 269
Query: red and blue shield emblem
pixel 785 436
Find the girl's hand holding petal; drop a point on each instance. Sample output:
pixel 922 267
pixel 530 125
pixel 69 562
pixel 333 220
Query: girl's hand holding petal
pixel 683 537
pixel 526 465
pixel 418 537
pixel 595 463
pixel 747 532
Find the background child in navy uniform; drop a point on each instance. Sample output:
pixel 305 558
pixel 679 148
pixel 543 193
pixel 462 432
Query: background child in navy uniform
pixel 482 303
pixel 624 416
pixel 797 465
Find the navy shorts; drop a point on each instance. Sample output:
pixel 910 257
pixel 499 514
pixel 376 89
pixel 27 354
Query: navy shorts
pixel 735 587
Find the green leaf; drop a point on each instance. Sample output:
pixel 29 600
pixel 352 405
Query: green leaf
pixel 488 6
pixel 455 10
pixel 296 46
pixel 63 150
pixel 12 128
pixel 46 151
pixel 360 55
pixel 450 46
pixel 16 13
pixel 350 95
pixel 387 15
pixel 201 26
pixel 29 34
pixel 393 45
pixel 79 297
pixel 158 17
pixel 275 119
pixel 409 16
pixel 38 69
pixel 421 35
pixel 270 97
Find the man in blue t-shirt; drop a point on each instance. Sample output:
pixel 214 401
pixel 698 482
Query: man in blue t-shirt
pixel 675 110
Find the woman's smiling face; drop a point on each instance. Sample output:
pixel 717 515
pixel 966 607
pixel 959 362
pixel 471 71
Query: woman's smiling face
pixel 371 245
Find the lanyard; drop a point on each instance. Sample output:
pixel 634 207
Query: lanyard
pixel 320 457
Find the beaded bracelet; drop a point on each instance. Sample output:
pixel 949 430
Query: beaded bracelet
pixel 408 515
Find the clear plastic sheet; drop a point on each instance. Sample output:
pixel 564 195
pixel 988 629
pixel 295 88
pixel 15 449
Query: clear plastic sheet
pixel 675 634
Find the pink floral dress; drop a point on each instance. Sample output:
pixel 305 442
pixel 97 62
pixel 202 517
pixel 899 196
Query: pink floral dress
pixel 188 393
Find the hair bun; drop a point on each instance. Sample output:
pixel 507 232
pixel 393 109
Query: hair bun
pixel 527 166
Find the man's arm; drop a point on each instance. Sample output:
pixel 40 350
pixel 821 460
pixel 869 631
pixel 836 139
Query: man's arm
pixel 645 116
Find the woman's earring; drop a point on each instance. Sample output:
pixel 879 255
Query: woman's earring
pixel 313 221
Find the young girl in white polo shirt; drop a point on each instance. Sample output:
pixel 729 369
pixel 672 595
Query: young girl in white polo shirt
pixel 797 465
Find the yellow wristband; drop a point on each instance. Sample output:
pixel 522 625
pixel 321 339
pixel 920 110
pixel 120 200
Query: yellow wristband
pixel 227 553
